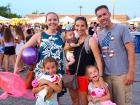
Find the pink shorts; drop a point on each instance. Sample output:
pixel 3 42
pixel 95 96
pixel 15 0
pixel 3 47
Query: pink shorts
pixel 82 83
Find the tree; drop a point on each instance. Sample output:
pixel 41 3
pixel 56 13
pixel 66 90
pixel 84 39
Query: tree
pixel 5 11
pixel 37 12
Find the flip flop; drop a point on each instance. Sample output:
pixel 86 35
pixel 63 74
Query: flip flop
pixel 20 70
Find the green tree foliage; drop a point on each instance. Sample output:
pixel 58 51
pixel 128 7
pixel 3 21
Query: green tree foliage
pixel 5 11
pixel 37 12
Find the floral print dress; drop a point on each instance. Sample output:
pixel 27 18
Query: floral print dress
pixel 51 46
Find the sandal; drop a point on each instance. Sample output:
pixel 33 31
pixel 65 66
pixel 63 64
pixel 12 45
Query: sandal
pixel 20 70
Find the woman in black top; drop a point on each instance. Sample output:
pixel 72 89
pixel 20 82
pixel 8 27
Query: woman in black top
pixel 86 59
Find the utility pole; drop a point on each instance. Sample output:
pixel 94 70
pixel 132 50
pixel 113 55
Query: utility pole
pixel 80 9
pixel 113 11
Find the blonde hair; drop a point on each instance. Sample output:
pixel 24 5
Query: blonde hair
pixel 91 66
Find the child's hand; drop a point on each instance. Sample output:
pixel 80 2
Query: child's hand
pixel 46 87
pixel 95 100
pixel 42 82
pixel 90 98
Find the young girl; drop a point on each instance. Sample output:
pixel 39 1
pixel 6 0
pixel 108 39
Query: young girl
pixel 1 47
pixel 49 83
pixel 8 42
pixel 19 40
pixel 98 90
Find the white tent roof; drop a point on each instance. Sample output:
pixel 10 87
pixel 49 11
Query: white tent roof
pixel 38 20
pixel 93 18
pixel 137 19
pixel 112 20
pixel 4 19
pixel 66 19
pixel 115 21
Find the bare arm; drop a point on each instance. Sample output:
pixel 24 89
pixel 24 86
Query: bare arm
pixel 2 42
pixel 105 97
pixel 95 50
pixel 67 46
pixel 71 61
pixel 56 87
pixel 131 60
pixel 38 88
pixel 33 41
pixel 89 97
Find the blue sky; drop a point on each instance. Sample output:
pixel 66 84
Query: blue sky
pixel 23 7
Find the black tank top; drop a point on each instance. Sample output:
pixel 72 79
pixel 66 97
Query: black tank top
pixel 85 60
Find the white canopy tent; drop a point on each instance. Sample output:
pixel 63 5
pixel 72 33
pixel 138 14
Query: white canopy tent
pixel 66 19
pixel 3 19
pixel 112 20
pixel 38 20
pixel 137 19
pixel 93 18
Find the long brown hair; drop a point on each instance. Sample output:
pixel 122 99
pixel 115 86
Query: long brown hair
pixel 19 32
pixel 52 13
pixel 7 35
pixel 81 18
pixel 50 59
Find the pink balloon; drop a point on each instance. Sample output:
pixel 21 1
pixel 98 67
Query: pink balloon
pixel 12 84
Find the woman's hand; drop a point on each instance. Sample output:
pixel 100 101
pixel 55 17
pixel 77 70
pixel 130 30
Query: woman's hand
pixel 67 46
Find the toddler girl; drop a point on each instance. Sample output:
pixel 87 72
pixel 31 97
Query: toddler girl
pixel 48 84
pixel 98 90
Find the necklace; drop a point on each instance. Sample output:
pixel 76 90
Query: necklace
pixel 81 39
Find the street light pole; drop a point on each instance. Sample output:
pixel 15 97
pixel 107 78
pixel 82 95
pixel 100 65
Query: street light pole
pixel 113 8
pixel 80 9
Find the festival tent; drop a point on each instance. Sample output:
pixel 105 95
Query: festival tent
pixel 3 19
pixel 66 19
pixel 38 20
pixel 23 20
pixel 112 20
pixel 93 18
pixel 137 19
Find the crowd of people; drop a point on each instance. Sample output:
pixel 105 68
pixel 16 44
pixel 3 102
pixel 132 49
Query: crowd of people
pixel 100 69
